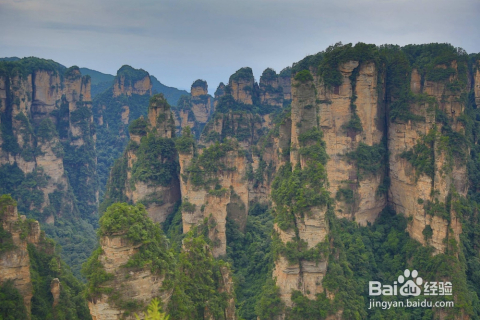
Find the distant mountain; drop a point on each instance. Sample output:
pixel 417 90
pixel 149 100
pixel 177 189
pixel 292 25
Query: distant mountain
pixel 171 94
pixel 100 81
pixel 10 59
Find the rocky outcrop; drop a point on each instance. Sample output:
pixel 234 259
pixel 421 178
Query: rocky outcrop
pixel 15 261
pixel 220 92
pixel 132 81
pixel 195 110
pixel 241 85
pixel 201 104
pixel 413 191
pixel 18 232
pixel 47 109
pixel 336 114
pixel 229 196
pixel 138 285
pixel 477 84
pixel 55 290
pixel 271 92
pixel 311 228
pixel 149 175
pixel 284 80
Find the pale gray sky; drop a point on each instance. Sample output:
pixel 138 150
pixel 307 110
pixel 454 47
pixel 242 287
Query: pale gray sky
pixel 180 41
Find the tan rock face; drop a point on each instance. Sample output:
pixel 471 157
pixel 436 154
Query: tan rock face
pixel 161 118
pixel 125 114
pixel 286 84
pixel 140 87
pixel 55 290
pixel 477 85
pixel 334 114
pixel 271 92
pixel 217 207
pixel 305 276
pixel 409 191
pixel 159 200
pixel 139 285
pixel 201 103
pixel 242 90
pixel 36 98
pixel 15 264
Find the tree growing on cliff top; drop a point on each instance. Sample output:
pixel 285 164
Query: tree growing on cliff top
pixel 154 312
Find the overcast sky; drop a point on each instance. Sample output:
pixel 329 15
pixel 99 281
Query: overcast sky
pixel 179 41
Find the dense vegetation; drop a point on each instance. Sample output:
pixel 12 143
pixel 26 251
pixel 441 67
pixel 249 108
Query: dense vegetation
pixel 355 254
pixel 45 265
pixel 112 136
pixel 250 253
pixel 193 276
pixel 155 161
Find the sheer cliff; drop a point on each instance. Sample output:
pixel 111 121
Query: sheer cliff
pixel 34 282
pixel 47 156
pixel 276 199
pixel 147 172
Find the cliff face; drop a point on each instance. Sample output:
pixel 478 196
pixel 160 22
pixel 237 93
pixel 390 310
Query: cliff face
pixel 311 228
pixel 195 110
pixel 137 285
pixel 132 81
pixel 138 266
pixel 337 110
pixel 241 86
pixel 413 190
pixel 225 174
pixel 228 197
pixel 271 92
pixel 56 107
pixel 113 110
pixel 28 261
pixel 360 121
pixel 15 262
pixel 48 144
pixel 148 168
pixel 201 103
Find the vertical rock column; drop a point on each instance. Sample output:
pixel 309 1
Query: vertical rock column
pixel 201 103
pixel 335 114
pixel 305 276
pixel 15 263
pixel 412 190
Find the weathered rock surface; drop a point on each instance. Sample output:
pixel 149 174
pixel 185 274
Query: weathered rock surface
pixel 271 92
pixel 241 85
pixel 159 200
pixel 129 285
pixel 44 108
pixel 201 103
pixel 15 263
pixel 410 191
pixel 335 113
